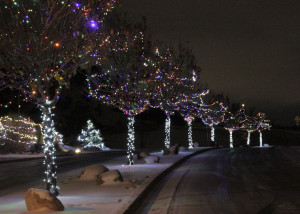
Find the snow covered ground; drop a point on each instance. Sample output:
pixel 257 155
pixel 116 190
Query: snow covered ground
pixel 88 197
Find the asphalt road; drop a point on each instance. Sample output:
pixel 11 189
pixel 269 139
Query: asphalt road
pixel 20 173
pixel 230 181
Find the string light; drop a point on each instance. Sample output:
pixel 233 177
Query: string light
pixel 167 132
pixel 90 136
pixel 130 140
pixel 49 148
pixel 36 64
pixel 190 133
pixel 262 125
pixel 212 115
pixel 19 130
pixel 250 125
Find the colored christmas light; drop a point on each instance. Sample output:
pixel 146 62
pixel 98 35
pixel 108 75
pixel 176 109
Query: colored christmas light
pixel 121 78
pixel 262 125
pixel 42 45
pixel 212 115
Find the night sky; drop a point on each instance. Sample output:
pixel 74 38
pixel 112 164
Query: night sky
pixel 247 49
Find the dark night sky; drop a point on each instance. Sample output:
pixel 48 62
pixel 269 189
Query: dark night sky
pixel 247 49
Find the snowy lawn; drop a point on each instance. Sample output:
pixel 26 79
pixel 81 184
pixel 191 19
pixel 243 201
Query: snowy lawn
pixel 88 197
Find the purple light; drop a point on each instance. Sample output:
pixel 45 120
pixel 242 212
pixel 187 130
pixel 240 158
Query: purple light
pixel 93 24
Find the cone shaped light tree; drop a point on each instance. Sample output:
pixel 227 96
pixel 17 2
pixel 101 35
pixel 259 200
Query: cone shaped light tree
pixel 122 77
pixel 90 136
pixel 42 43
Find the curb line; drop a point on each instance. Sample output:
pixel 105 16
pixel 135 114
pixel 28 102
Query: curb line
pixel 131 209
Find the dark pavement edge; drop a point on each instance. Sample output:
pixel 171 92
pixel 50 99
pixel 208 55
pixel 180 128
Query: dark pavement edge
pixel 132 207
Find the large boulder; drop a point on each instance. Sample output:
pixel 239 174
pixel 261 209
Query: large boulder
pixel 172 150
pixel 109 177
pixel 42 200
pixel 152 159
pixel 196 144
pixel 91 172
pixel 141 155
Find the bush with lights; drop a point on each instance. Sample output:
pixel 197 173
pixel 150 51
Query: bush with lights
pixel 19 133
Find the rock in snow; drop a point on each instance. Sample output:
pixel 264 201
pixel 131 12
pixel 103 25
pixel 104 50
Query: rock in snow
pixel 173 150
pixel 42 200
pixel 152 159
pixel 141 155
pixel 91 172
pixel 109 177
pixel 196 144
pixel 183 149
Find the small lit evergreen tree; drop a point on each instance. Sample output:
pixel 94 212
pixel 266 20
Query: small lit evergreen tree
pixel 90 136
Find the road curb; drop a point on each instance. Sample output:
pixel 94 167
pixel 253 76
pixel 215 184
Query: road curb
pixel 132 207
pixel 19 160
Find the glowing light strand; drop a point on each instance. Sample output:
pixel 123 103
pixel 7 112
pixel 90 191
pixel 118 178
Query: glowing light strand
pixel 130 140
pixel 49 149
pixel 167 132
pixel 90 136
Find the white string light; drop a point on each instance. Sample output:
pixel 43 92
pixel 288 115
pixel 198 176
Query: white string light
pixel 212 133
pixel 230 139
pixel 167 132
pixel 49 149
pixel 91 136
pixel 248 138
pixel 130 140
pixel 260 139
pixel 190 136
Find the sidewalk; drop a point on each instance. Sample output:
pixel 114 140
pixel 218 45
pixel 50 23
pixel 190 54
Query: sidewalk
pixel 88 197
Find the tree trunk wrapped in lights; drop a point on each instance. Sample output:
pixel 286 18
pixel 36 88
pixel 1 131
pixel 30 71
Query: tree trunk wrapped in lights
pixel 189 107
pixel 234 120
pixel 250 125
pixel 262 125
pixel 175 75
pixel 231 126
pixel 212 115
pixel 49 148
pixel 122 77
pixel 42 43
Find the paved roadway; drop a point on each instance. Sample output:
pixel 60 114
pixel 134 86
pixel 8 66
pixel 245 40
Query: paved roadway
pixel 230 181
pixel 20 173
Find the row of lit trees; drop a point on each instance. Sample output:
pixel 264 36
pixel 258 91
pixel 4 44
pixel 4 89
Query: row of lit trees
pixel 44 43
